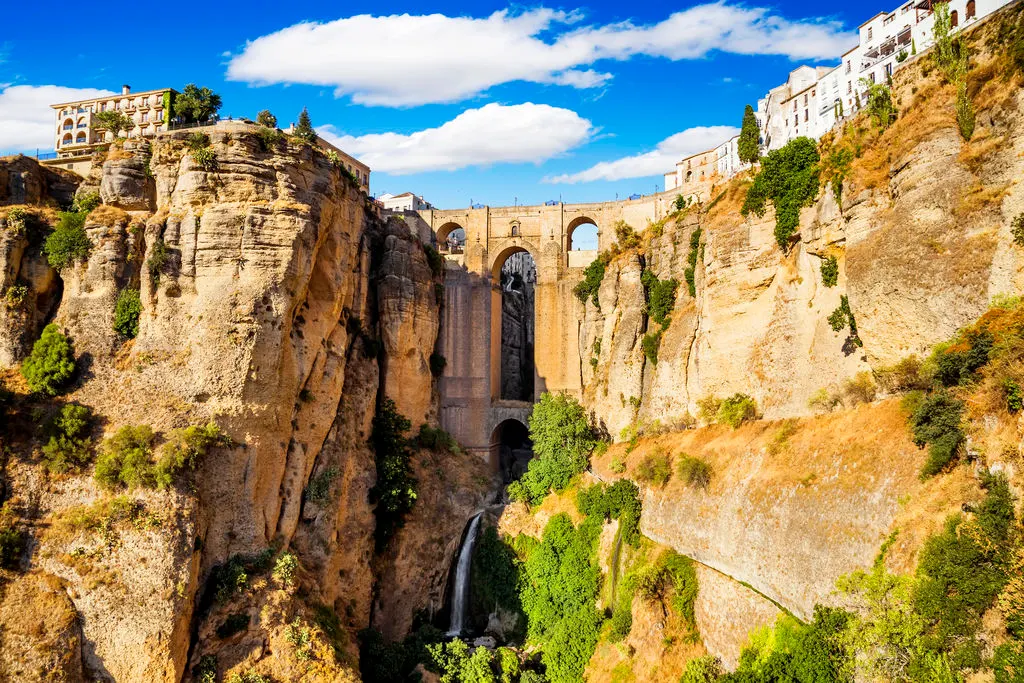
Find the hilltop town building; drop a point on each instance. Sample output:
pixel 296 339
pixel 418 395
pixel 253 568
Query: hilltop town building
pixel 76 131
pixel 407 201
pixel 814 99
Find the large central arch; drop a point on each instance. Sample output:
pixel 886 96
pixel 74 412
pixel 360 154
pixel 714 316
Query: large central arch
pixel 513 283
pixel 511 449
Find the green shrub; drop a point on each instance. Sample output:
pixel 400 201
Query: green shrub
pixel 693 471
pixel 962 570
pixel 69 446
pixel 660 296
pixel 707 408
pixel 622 612
pixel 235 622
pixel 965 115
pixel 625 236
pixel 125 458
pixel 434 260
pixel 248 676
pixel 842 318
pixel 197 140
pixel 126 313
pixel 395 489
pixel 1014 395
pixel 880 107
pixel 736 410
pixel 268 139
pixel 593 274
pixel 204 158
pixel 906 374
pixel 789 180
pixel 619 501
pixel 680 202
pixel 319 488
pixel 183 451
pixel 206 670
pixel 706 669
pixel 655 469
pixel 285 567
pixel 437 364
pixel 15 296
pixel 1008 662
pixel 436 439
pixel 562 442
pixel 13 540
pixel 300 637
pixel 936 422
pixel 1017 229
pixel 671 571
pixel 51 364
pixel 68 243
pixel 691 262
pixel 830 271
pixel 958 363
pixel 86 202
pixel 650 343
pixel 860 388
pixel 159 259
pixel 617 466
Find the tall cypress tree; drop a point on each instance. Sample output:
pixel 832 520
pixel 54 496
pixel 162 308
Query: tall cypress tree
pixel 747 146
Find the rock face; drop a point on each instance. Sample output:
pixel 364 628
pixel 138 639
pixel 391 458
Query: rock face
pixel 276 303
pixel 24 181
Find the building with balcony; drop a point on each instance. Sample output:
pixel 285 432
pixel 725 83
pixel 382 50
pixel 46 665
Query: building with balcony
pixel 77 135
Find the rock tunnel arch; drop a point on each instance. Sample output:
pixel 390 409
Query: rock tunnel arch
pixel 513 299
pixel 511 449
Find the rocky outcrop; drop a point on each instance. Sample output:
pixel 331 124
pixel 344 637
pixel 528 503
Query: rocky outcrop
pixel 726 612
pixel 126 181
pixel 24 181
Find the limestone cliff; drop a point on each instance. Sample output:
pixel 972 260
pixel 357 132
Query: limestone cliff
pixel 275 302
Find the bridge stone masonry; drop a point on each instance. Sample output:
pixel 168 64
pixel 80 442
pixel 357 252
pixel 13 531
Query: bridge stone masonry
pixel 472 408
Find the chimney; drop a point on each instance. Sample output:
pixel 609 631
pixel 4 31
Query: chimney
pixel 125 89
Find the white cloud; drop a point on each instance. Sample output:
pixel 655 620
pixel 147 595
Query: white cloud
pixel 656 162
pixel 405 60
pixel 495 133
pixel 28 121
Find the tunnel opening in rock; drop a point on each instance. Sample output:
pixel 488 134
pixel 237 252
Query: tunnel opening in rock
pixel 517 281
pixel 511 449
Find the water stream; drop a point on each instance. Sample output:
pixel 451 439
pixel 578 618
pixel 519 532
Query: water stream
pixel 460 589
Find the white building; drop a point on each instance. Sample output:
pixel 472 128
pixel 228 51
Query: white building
pixel 813 99
pixel 407 201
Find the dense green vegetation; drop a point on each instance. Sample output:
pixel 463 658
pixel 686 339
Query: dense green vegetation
pixel 494 579
pixel 562 441
pixel 830 271
pixel 51 364
pixel 650 343
pixel 660 296
pixel 265 118
pixel 183 450
pixel 691 262
pixel 126 313
pixel 789 180
pixel 936 422
pixel 654 469
pixel 68 243
pixel 593 274
pixel 736 410
pixel 195 104
pixel 620 501
pixel 395 490
pixel 112 121
pixel 126 457
pixel 68 444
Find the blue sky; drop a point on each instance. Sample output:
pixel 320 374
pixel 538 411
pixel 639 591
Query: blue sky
pixel 492 103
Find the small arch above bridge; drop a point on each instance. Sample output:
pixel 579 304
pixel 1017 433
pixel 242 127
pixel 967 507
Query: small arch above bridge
pixel 581 234
pixel 451 238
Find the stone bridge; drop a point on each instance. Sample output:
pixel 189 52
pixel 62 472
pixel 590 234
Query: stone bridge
pixel 472 409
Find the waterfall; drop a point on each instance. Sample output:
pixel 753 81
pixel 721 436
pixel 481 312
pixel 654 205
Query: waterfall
pixel 460 590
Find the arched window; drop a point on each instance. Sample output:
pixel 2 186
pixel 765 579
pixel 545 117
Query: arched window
pixel 515 230
pixel 80 138
pixel 954 19
pixel 66 140
pixel 971 10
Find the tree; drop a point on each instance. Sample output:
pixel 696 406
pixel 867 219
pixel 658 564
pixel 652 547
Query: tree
pixel 196 105
pixel 304 128
pixel 265 118
pixel 113 121
pixel 789 180
pixel 51 363
pixel 747 146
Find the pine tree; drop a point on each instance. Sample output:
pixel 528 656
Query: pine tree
pixel 748 147
pixel 304 128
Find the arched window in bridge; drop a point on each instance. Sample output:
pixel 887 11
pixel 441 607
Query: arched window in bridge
pixel 515 230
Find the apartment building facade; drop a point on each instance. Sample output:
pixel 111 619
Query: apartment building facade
pixel 76 131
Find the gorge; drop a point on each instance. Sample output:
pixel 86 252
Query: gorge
pixel 255 428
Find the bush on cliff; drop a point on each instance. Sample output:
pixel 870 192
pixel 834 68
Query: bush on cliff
pixel 655 469
pixel 619 501
pixel 736 410
pixel 661 296
pixel 51 364
pixel 125 459
pixel 593 274
pixel 936 422
pixel 562 441
pixel 789 180
pixel 183 451
pixel 395 490
pixel 69 446
pixel 126 313
pixel 68 243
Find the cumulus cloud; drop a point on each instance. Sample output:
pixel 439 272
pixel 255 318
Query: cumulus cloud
pixel 656 162
pixel 28 121
pixel 492 134
pixel 405 60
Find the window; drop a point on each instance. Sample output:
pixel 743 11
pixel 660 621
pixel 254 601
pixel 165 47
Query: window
pixel 869 32
pixel 849 87
pixel 805 99
pixel 871 76
pixel 971 10
pixel 814 92
pixel 145 116
pixel 806 115
pixel 796 120
pixel 954 19
pixel 849 65
pixel 159 114
pixel 888 70
pixel 103 106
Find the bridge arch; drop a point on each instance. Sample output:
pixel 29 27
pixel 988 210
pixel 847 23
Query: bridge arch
pixel 452 230
pixel 585 234
pixel 511 449
pixel 513 326
pixel 503 254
